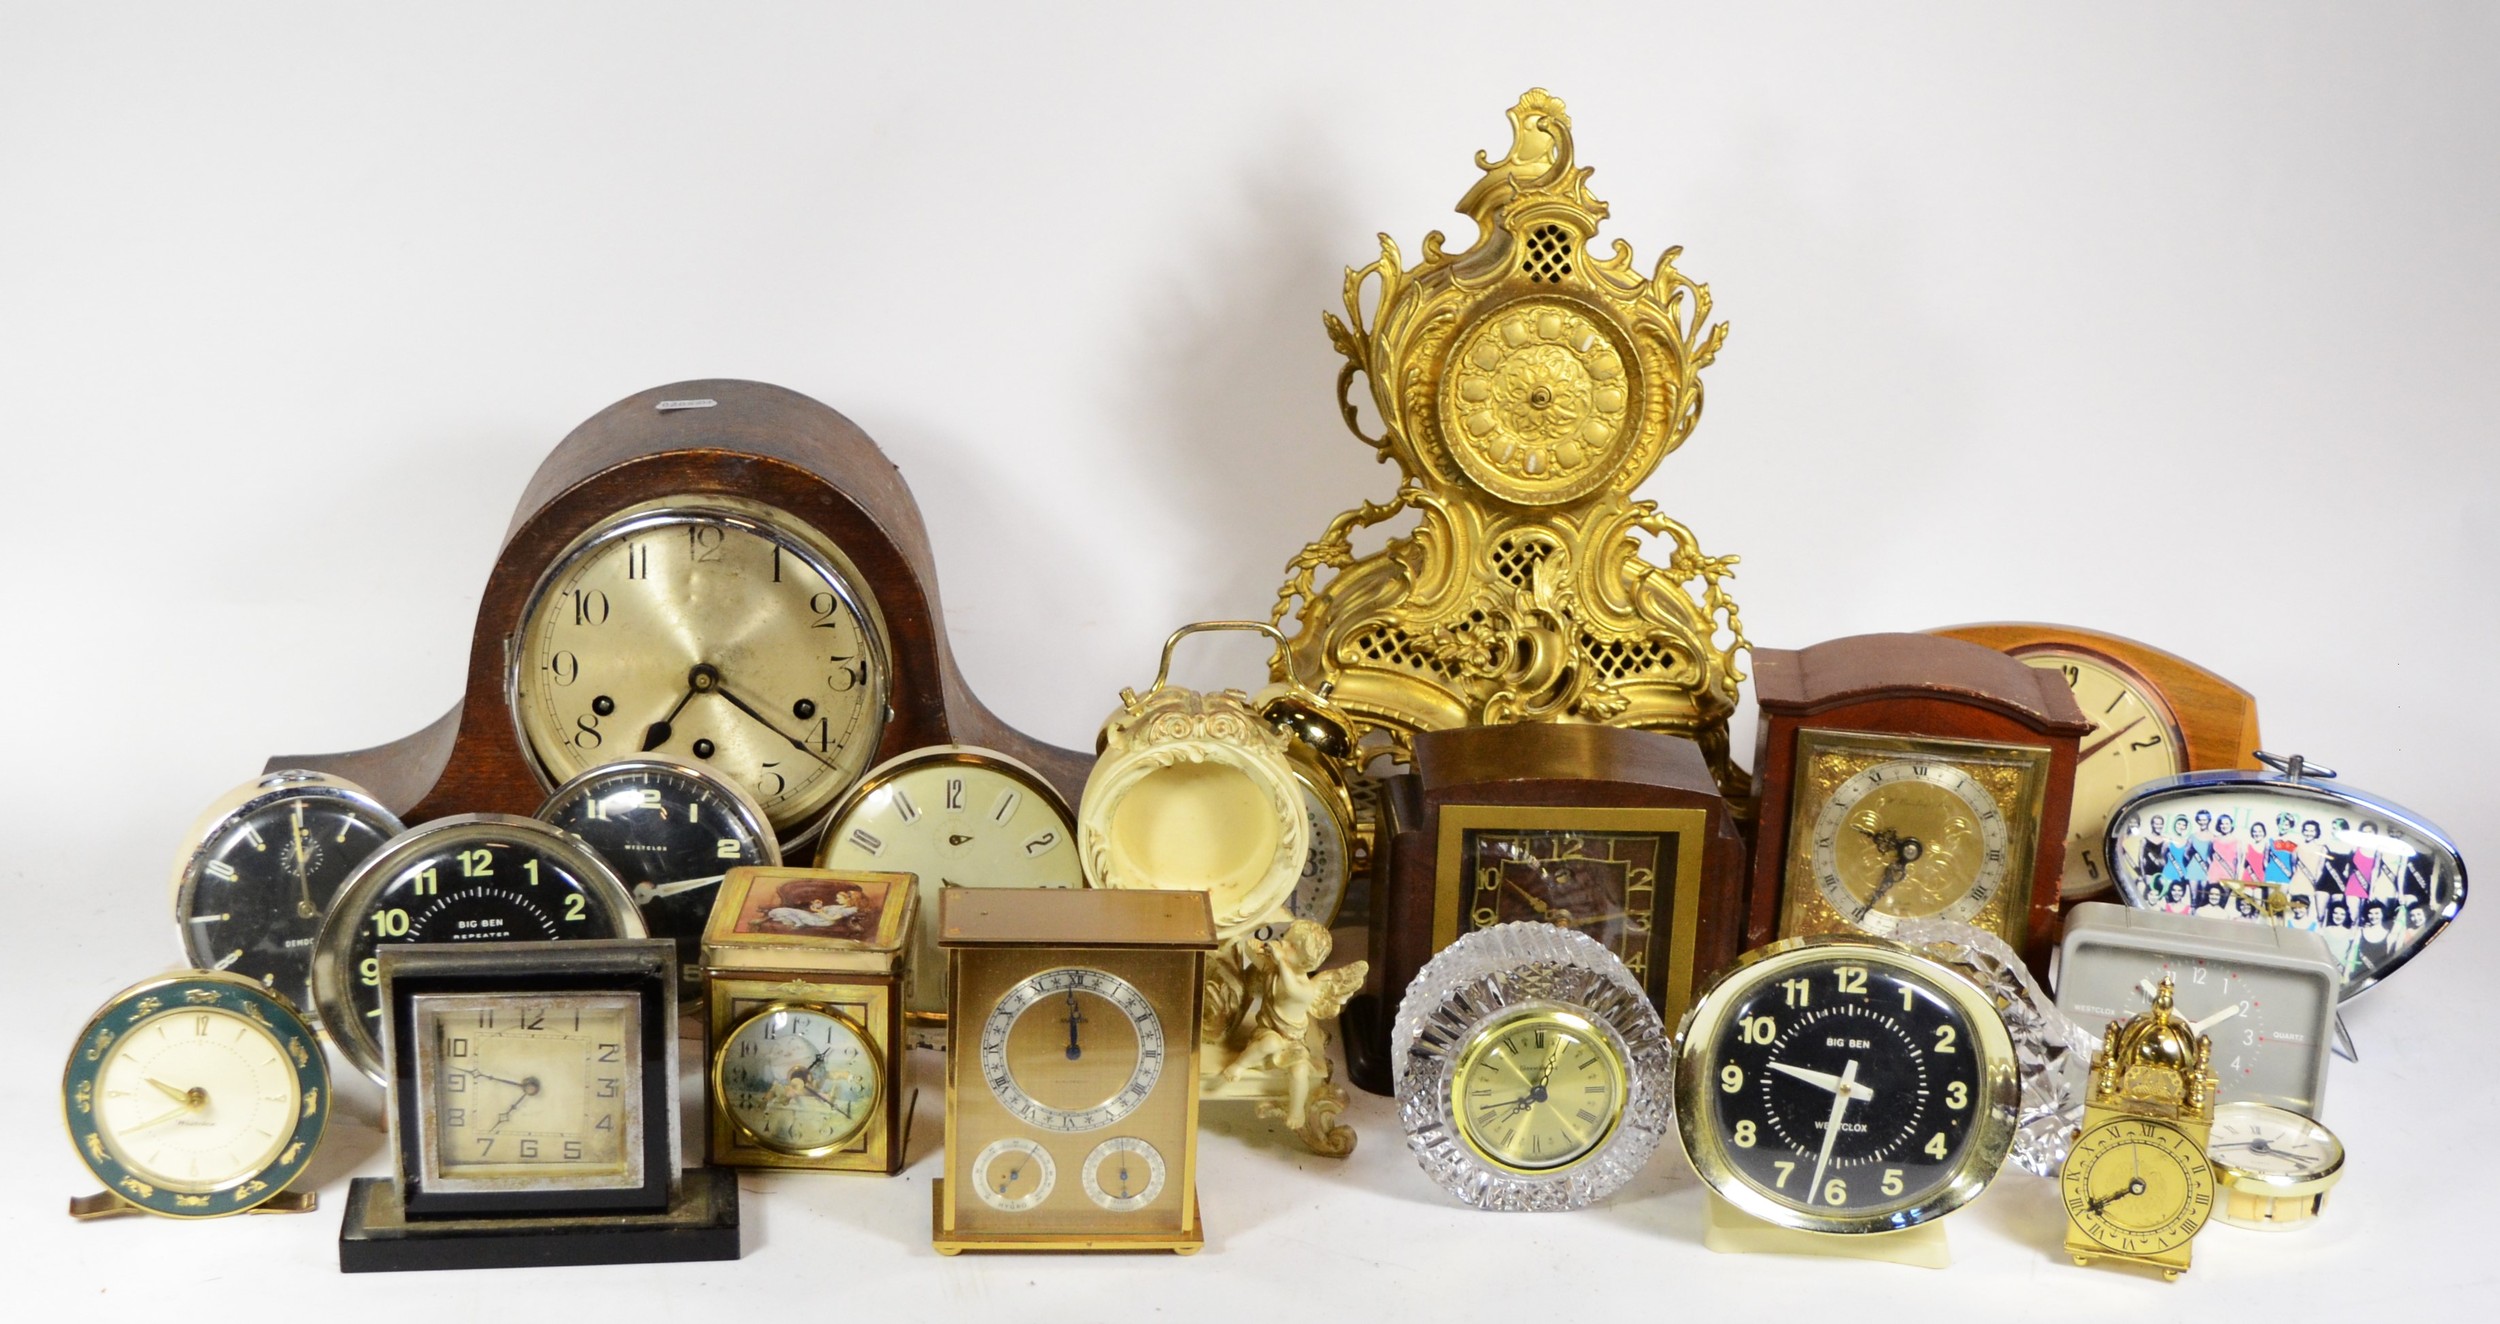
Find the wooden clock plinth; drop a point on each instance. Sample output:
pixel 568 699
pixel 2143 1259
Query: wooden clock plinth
pixel 714 438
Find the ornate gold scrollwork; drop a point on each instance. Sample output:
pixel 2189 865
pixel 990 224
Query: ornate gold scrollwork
pixel 1525 387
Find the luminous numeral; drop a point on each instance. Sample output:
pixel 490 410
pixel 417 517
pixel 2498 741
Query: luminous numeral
pixel 1936 1147
pixel 1800 991
pixel 1745 1134
pixel 1785 1168
pixel 1731 1078
pixel 1892 1181
pixel 1758 1030
pixel 1944 1038
pixel 391 923
pixel 1957 1094
pixel 478 863
pixel 1850 979
pixel 575 905
pixel 1835 1192
pixel 728 849
pixel 428 882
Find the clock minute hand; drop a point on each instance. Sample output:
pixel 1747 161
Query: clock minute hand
pixel 2103 743
pixel 653 891
pixel 702 678
pixel 1847 1083
pixel 765 722
pixel 1824 1080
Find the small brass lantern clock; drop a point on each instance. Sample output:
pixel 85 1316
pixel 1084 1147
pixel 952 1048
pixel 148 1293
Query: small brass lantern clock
pixel 2136 1185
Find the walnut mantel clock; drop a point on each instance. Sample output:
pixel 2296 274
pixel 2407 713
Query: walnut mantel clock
pixel 1909 775
pixel 720 570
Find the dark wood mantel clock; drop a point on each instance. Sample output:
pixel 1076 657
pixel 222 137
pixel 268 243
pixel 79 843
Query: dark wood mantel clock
pixel 1910 776
pixel 722 570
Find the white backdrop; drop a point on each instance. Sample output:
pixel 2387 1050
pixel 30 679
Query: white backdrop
pixel 2172 322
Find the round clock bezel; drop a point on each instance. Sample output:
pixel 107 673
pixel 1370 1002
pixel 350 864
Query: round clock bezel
pixel 1986 1144
pixel 800 1006
pixel 842 578
pixel 1155 1169
pixel 241 804
pixel 334 951
pixel 1142 1079
pixel 1480 1041
pixel 980 1170
pixel 1490 976
pixel 2271 1186
pixel 127 1012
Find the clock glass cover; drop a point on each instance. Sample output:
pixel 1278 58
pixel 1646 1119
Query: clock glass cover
pixel 1844 1084
pixel 1072 1049
pixel 798 1078
pixel 712 629
pixel 250 892
pixel 472 878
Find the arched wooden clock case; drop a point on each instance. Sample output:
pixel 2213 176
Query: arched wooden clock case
pixel 739 439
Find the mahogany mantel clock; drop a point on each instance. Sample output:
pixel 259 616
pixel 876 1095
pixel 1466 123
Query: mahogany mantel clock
pixel 721 570
pixel 1910 775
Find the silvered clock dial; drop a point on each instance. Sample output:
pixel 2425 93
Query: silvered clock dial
pixel 714 629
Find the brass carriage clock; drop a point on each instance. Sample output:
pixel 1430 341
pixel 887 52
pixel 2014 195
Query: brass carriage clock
pixel 1525 388
pixel 1071 1069
pixel 2136 1185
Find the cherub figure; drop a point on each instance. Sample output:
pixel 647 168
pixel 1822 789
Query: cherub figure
pixel 1287 1010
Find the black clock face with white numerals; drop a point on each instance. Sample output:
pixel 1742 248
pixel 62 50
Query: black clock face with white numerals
pixel 1849 1085
pixel 671 832
pixel 473 878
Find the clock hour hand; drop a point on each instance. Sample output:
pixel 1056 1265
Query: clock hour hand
pixel 704 677
pixel 2219 1017
pixel 1075 1018
pixel 1824 1080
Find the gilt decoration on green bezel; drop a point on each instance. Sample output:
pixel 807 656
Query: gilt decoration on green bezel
pixel 1526 387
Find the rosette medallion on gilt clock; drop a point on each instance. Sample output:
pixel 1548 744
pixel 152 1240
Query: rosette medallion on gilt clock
pixel 1524 388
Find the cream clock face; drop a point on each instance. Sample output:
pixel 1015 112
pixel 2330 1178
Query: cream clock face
pixel 1072 1049
pixel 952 816
pixel 1911 838
pixel 531 1087
pixel 714 630
pixel 1124 1174
pixel 2134 740
pixel 1014 1174
pixel 798 1079
pixel 195 1100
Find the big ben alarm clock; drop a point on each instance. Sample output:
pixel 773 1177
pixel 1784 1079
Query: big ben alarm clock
pixel 1071 1069
pixel 1908 775
pixel 723 571
pixel 2153 715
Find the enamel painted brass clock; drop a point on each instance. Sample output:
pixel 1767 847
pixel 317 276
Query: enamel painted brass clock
pixel 2153 715
pixel 1846 1084
pixel 197 1095
pixel 723 571
pixel 468 879
pixel 1072 1069
pixel 262 865
pixel 1532 1071
pixel 952 816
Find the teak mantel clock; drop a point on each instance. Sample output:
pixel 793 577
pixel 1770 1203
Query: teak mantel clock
pixel 722 570
pixel 1525 388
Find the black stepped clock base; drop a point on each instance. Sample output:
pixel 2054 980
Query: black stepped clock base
pixel 701 1224
pixel 1366 1027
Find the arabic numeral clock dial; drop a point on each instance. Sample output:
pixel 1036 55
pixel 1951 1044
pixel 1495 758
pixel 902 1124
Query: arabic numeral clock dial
pixel 952 816
pixel 195 1096
pixel 1072 1049
pixel 471 878
pixel 2135 739
pixel 671 829
pixel 1846 1085
pixel 713 629
pixel 261 867
pixel 2274 1166
pixel 1532 1071
pixel 798 1079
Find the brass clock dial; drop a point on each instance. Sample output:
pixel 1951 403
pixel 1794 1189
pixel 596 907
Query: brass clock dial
pixel 713 629
pixel 1538 1089
pixel 2137 1185
pixel 1072 1049
pixel 2135 739
pixel 1910 838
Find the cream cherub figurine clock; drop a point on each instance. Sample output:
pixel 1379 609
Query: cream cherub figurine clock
pixel 1264 1032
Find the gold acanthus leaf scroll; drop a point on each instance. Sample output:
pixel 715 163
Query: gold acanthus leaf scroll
pixel 1524 388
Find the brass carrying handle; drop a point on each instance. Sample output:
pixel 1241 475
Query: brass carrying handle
pixel 1163 672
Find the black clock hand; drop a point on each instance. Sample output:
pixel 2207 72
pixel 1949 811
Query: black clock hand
pixel 1905 852
pixel 1075 1050
pixel 704 676
pixel 2134 1186
pixel 528 1087
pixel 765 722
pixel 1010 1178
